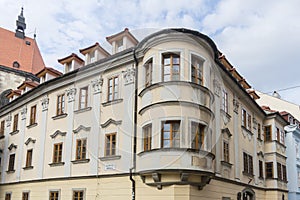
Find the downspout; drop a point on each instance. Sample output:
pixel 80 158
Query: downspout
pixel 134 125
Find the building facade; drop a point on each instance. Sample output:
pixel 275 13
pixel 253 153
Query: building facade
pixel 164 118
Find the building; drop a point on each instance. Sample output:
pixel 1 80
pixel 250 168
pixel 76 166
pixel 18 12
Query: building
pixel 164 118
pixel 20 58
pixel 292 138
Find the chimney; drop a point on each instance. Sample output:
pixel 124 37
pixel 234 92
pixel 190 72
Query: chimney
pixel 276 94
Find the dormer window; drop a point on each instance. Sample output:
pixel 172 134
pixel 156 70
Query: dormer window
pixel 71 62
pixel 68 67
pixel 93 56
pixel 16 64
pixel 119 45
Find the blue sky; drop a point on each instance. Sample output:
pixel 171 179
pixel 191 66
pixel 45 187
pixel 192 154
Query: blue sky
pixel 259 38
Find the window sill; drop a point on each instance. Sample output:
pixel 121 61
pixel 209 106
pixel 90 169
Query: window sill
pixel 10 171
pixel 83 110
pixel 247 174
pixel 105 158
pixel 60 116
pixel 14 132
pixel 225 113
pixel 247 130
pixel 56 164
pixel 31 125
pixel 27 168
pixel 225 163
pixel 80 161
pixel 280 143
pixel 112 102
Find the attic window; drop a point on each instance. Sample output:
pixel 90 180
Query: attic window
pixel 28 43
pixel 16 64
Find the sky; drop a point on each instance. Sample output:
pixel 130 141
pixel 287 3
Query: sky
pixel 261 39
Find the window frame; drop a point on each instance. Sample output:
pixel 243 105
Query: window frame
pixel 279 171
pixel 57 152
pixel 171 56
pixel 225 101
pixel 268 134
pixel 148 67
pixel 260 169
pixel 15 122
pixel 76 192
pixel 147 137
pixel 2 128
pixel 197 138
pixel 81 149
pixel 171 138
pixel 269 170
pixel 33 112
pixel 226 151
pixel 83 98
pixel 259 131
pixel 8 196
pixel 113 88
pixel 55 197
pixel 196 68
pixel 60 105
pixel 25 195
pixel 29 155
pixel 248 163
pixel 11 162
pixel 110 144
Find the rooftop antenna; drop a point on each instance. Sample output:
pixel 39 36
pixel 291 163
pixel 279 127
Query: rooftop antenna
pixel 34 35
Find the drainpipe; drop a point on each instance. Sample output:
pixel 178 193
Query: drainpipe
pixel 134 125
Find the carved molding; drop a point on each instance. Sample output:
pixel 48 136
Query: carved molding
pixel 236 105
pixel 129 75
pixel 97 84
pixel 8 120
pixel 11 146
pixel 81 127
pixel 30 140
pixel 217 87
pixel 45 102
pixel 58 132
pixel 111 121
pixel 261 154
pixel 71 94
pixel 226 131
pixel 23 112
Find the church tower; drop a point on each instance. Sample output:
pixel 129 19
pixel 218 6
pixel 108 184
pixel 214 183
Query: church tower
pixel 21 26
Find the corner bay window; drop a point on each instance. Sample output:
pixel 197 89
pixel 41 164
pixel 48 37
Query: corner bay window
pixel 110 144
pixel 147 132
pixel 170 134
pixel 171 67
pixel 269 169
pixel 197 134
pixel 113 87
pixel 268 133
pixel 80 149
pixel 148 72
pixel 196 70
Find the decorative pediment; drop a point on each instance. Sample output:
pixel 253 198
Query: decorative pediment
pixel 227 132
pixel 260 154
pixel 81 127
pixel 58 132
pixel 11 146
pixel 30 140
pixel 111 121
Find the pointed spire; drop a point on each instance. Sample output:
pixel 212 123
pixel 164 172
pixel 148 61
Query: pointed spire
pixel 21 25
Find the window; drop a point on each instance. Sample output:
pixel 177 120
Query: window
pixel 54 195
pixel 93 56
pixel 110 144
pixel 197 135
pixel 268 133
pixel 269 170
pixel 284 177
pixel 244 118
pixel 226 151
pixel 113 87
pixel 196 70
pixel 57 153
pixel 2 128
pixel 282 135
pixel 32 115
pixel 15 124
pixel 148 72
pixel 83 97
pixel 171 67
pixel 29 158
pixel 119 44
pixel 249 122
pixel 277 134
pixel 11 163
pixel 147 131
pixel 78 195
pixel 69 66
pixel 248 164
pixel 8 196
pixel 80 149
pixel 261 172
pixel 60 107
pixel 170 134
pixel 224 101
pixel 25 196
pixel 279 172
pixel 259 131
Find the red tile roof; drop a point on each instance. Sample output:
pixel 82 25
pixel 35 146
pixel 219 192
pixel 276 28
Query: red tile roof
pixel 69 58
pixel 49 70
pixel 14 92
pixel 30 84
pixel 122 33
pixel 92 47
pixel 24 51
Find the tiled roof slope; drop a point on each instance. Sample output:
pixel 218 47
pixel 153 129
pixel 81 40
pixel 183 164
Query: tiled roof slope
pixel 24 51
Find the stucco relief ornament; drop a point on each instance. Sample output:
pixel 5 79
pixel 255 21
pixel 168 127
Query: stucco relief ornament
pixel 97 85
pixel 217 87
pixel 71 94
pixel 23 112
pixel 129 75
pixel 45 103
pixel 236 105
pixel 8 120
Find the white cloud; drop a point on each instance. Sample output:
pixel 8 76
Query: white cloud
pixel 260 38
